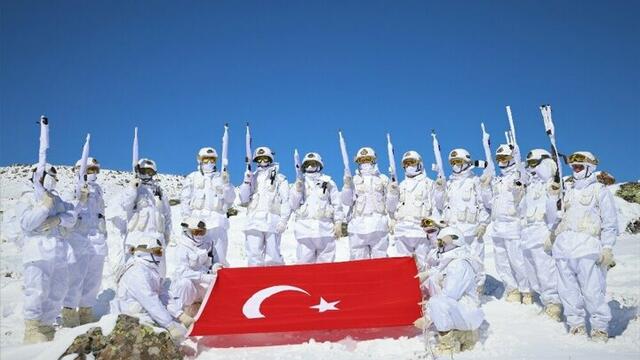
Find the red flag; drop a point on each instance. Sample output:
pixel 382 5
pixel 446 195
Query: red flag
pixel 365 294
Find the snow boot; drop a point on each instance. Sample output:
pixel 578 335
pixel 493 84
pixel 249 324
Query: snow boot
pixel 514 296
pixel 467 340
pixel 578 330
pixel 448 342
pixel 69 317
pixel 32 334
pixel 85 315
pixel 554 311
pixel 599 336
pixel 47 330
pixel 527 298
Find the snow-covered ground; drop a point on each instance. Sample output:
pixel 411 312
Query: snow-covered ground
pixel 512 331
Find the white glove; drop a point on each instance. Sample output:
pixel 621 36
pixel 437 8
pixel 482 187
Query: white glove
pixel 47 200
pixel 422 322
pixel 50 223
pixel 299 186
pixel 393 189
pixel 207 278
pixel 247 177
pixel 348 180
pixel 216 267
pixel 422 276
pixel 185 320
pixel 177 332
pixel 440 181
pixel 337 230
pixel 554 188
pixel 480 230
pixel 606 259
pixel 485 179
pixel 225 177
pixel 281 227
pixel 84 194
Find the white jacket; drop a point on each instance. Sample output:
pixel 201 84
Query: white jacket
pixel 370 201
pixel 317 207
pixel 141 293
pixel 90 232
pixel 589 222
pixel 207 198
pixel 266 198
pixel 462 204
pixel 146 214
pixel 191 260
pixel 42 242
pixel 416 201
pixel 503 197
pixel 539 207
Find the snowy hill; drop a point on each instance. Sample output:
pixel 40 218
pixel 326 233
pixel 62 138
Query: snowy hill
pixel 513 331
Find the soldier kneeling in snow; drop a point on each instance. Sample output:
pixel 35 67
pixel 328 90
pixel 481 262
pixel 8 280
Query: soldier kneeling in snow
pixel 140 291
pixel 193 273
pixel 453 309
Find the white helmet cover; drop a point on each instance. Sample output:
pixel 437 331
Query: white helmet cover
pixel 263 151
pixel 365 151
pixel 312 156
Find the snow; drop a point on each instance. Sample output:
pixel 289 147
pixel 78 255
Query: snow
pixel 512 330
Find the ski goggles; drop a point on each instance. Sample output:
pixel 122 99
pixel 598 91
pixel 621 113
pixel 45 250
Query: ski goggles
pixel 457 161
pixel 311 163
pixel 426 222
pixel 93 170
pixel 208 160
pixel 262 159
pixel 155 251
pixel 146 171
pixel 503 158
pixel 368 159
pixel 581 158
pixel 410 162
pixel 198 232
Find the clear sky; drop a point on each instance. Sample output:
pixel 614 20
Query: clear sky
pixel 299 70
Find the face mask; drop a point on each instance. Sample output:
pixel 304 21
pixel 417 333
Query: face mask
pixel 146 178
pixel 92 177
pixel 411 171
pixel 366 167
pixel 208 168
pixel 311 169
pixel 582 174
pixel 458 168
pixel 50 183
pixel 263 164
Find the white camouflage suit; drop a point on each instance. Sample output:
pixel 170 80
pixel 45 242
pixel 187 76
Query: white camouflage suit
pixel 267 199
pixel 462 206
pixel 414 203
pixel 502 196
pixel 588 226
pixel 318 210
pixel 369 225
pixel 45 220
pixel 143 215
pixel 207 197
pixel 88 240
pixel 540 218
pixel 189 280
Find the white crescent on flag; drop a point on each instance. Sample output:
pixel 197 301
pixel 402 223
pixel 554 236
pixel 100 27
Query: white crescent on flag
pixel 251 307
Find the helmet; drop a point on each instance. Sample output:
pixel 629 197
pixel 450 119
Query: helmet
pixel 93 166
pixel 48 170
pixel 459 156
pixel 148 248
pixel 451 235
pixel 311 158
pixel 504 153
pixel 263 151
pixel 207 152
pixel 535 157
pixel 365 154
pixel 582 157
pixel 411 158
pixel 146 167
pixel 194 226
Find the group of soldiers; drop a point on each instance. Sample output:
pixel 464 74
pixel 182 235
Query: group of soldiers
pixel 444 223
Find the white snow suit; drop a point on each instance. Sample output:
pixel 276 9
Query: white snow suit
pixel 45 254
pixel 206 197
pixel 588 225
pixel 503 196
pixel 318 209
pixel 540 210
pixel 267 201
pixel 369 224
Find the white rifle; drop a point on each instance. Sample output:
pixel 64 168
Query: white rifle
pixel 516 149
pixel 134 152
pixel 438 166
pixel 392 159
pixel 247 148
pixel 82 171
pixel 225 148
pixel 42 157
pixel 551 132
pixel 486 144
pixel 345 156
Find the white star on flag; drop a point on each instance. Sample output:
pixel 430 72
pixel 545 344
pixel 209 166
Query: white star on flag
pixel 325 306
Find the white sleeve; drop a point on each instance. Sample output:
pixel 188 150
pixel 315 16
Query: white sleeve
pixel 334 197
pixel 460 276
pixel 285 207
pixel 295 197
pixel 141 290
pixel 229 194
pixel 245 191
pixel 185 196
pixel 609 217
pixel 31 215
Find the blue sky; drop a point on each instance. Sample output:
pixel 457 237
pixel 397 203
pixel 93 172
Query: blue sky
pixel 299 70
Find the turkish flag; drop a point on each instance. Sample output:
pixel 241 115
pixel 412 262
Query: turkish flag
pixel 312 299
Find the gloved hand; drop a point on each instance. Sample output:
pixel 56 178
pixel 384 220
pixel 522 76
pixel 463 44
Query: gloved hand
pixel 422 322
pixel 299 185
pixel 422 276
pixel 548 242
pixel 480 230
pixel 247 177
pixel 485 179
pixel 177 332
pixel 348 180
pixel 225 177
pixel 84 194
pixel 393 189
pixel 606 259
pixel 207 278
pixel 50 223
pixel 337 230
pixel 392 226
pixel 46 200
pixel 281 227
pixel 440 182
pixel 216 267
pixel 554 188
pixel 185 320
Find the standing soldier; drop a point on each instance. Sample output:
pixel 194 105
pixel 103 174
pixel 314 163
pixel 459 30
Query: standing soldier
pixel 266 195
pixel 207 195
pixel 318 212
pixel 367 193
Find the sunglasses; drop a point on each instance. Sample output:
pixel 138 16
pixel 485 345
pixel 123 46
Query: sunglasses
pixel 147 171
pixel 365 160
pixel 262 159
pixel 93 170
pixel 503 158
pixel 410 162
pixel 208 160
pixel 456 161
